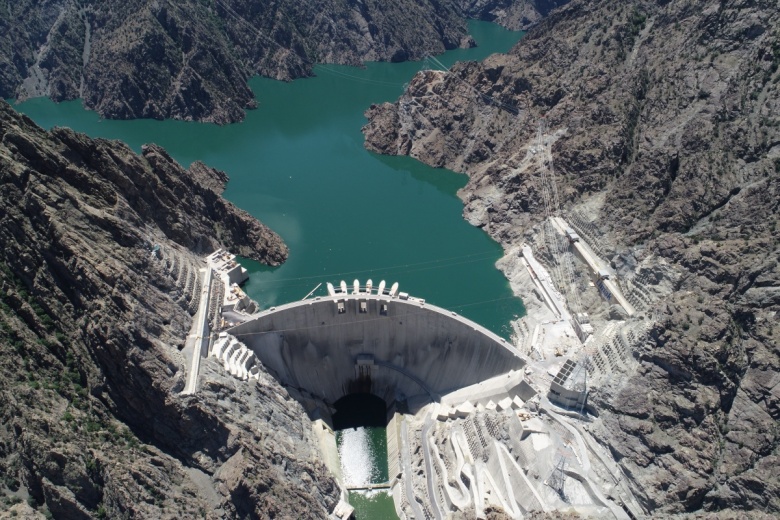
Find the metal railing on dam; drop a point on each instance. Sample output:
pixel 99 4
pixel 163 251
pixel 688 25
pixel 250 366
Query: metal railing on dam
pixel 392 345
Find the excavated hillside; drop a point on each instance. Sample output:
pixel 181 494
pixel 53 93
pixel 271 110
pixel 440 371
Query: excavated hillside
pixel 664 117
pixel 91 328
pixel 191 59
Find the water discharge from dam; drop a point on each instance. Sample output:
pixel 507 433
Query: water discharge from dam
pixel 298 164
pixel 360 421
pixel 363 453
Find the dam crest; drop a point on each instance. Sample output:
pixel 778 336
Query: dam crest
pixel 387 343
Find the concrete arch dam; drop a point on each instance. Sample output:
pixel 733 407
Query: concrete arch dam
pixel 393 346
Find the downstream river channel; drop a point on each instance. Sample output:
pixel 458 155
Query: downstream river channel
pixel 298 164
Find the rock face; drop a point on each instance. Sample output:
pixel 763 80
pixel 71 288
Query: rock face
pixel 512 14
pixel 93 424
pixel 191 59
pixel 667 138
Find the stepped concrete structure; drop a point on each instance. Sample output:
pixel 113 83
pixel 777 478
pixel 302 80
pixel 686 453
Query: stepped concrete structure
pixel 476 429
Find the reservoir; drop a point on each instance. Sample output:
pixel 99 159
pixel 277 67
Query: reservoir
pixel 298 164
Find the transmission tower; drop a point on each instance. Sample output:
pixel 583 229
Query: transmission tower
pixel 557 243
pixel 557 479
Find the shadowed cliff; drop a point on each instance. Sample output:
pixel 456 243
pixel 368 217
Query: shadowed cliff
pixel 91 328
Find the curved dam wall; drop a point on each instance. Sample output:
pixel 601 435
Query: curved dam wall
pixel 393 347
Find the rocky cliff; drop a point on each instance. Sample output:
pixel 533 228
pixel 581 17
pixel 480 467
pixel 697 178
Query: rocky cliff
pixel 664 118
pixel 93 421
pixel 512 14
pixel 191 60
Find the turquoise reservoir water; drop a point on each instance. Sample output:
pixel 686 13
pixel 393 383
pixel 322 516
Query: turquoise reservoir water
pixel 298 164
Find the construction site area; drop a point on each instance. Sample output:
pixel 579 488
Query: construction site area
pixel 474 422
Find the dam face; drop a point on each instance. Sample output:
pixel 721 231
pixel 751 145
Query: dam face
pixel 465 429
pixel 391 345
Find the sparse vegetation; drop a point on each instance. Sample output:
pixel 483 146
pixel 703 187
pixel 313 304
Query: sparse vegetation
pixel 638 20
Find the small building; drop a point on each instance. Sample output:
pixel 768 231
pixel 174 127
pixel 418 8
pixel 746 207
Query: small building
pixel 236 273
pixel 343 511
pixel 226 266
pixel 464 410
pixel 568 388
pixel 582 326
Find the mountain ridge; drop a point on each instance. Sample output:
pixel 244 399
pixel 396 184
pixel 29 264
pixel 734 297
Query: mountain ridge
pixel 663 124
pixel 191 60
pixel 100 253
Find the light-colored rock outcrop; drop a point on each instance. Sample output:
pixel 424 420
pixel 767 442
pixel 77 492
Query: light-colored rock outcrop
pixel 664 117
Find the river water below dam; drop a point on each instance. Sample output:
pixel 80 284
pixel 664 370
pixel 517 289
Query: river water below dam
pixel 360 421
pixel 363 453
pixel 298 164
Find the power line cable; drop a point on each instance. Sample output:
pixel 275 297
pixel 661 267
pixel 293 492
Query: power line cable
pixel 360 79
pixel 443 262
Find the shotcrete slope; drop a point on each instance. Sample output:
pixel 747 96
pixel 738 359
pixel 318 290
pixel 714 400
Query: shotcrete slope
pixel 93 425
pixel 667 141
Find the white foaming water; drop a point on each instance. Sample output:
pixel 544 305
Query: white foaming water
pixel 357 457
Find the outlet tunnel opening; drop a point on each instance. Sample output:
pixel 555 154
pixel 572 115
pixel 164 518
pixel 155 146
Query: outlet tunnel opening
pixel 359 410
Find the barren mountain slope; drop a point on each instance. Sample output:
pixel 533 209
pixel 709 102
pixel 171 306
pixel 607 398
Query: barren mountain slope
pixel 664 117
pixel 191 59
pixel 91 327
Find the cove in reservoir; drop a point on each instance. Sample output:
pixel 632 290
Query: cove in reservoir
pixel 298 164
